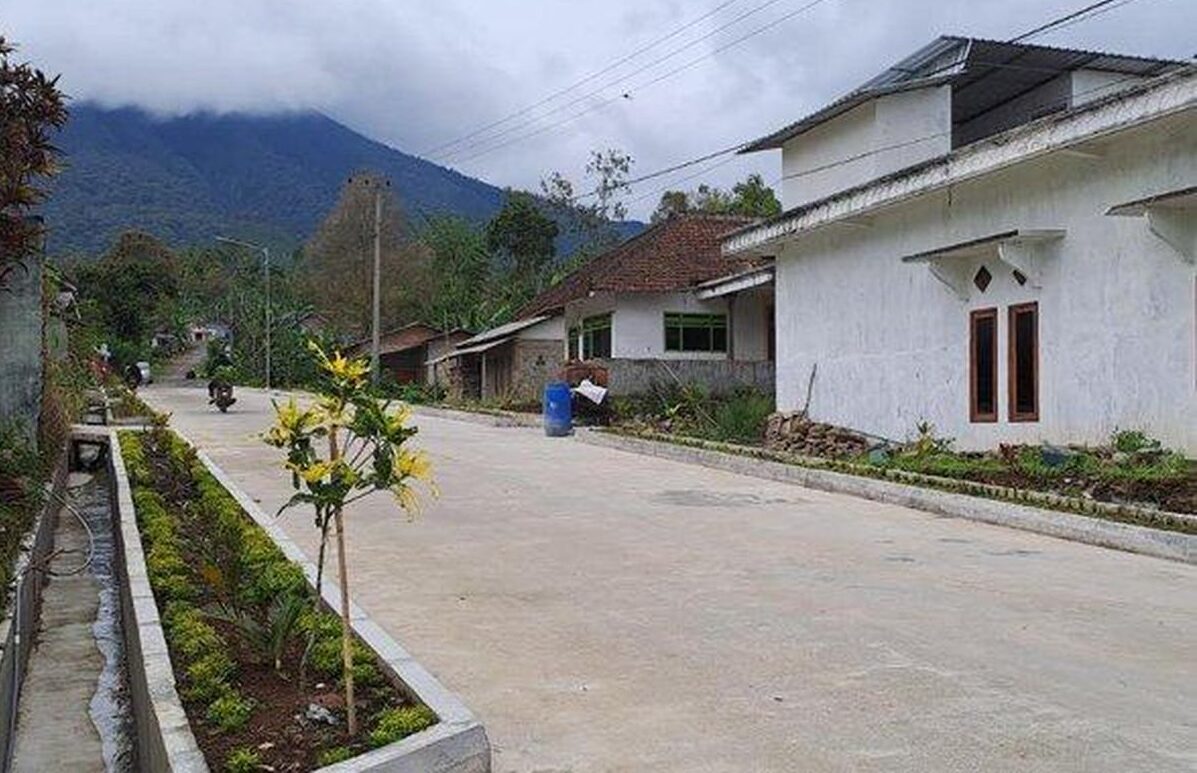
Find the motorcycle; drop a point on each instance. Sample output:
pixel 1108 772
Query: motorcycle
pixel 220 394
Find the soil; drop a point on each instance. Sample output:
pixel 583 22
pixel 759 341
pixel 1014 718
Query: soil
pixel 278 729
pixel 1175 496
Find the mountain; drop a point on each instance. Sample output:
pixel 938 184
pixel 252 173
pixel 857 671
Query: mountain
pixel 267 178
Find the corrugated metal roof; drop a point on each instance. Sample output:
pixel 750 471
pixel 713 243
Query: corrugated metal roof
pixel 504 330
pixel 983 73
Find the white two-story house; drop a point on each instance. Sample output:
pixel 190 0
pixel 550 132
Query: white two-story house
pixel 997 238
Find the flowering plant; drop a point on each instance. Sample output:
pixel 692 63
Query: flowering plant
pixel 347 445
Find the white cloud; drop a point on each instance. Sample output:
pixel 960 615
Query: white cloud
pixel 414 73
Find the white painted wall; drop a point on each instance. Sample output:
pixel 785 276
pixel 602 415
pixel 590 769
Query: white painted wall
pixel 861 143
pixel 1117 306
pixel 1088 85
pixel 638 322
pixel 552 329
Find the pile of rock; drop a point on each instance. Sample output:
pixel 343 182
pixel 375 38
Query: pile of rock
pixel 795 433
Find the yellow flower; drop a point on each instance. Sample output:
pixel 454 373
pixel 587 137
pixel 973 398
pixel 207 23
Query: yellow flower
pixel 413 464
pixel 317 472
pixel 398 420
pixel 407 499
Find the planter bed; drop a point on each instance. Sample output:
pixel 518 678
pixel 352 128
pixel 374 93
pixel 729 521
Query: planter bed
pixel 1136 515
pixel 221 585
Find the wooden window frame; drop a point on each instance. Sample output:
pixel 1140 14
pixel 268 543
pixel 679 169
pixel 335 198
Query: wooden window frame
pixel 975 415
pixel 1012 362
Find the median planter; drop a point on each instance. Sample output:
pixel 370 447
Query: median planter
pixel 240 665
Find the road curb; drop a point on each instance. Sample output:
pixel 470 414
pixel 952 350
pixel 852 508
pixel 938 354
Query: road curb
pixel 1174 546
pixel 497 419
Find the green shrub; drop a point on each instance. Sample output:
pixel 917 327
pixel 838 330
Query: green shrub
pixel 1130 441
pixel 242 760
pixel 741 416
pixel 334 755
pixel 230 711
pixel 208 676
pixel 396 724
pixel 191 635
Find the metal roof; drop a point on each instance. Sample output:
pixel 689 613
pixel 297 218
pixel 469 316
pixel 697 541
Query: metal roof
pixel 983 74
pixel 503 331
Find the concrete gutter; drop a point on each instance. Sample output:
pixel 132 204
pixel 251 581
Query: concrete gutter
pixel 456 744
pixel 1175 546
pixel 495 419
pixel 19 626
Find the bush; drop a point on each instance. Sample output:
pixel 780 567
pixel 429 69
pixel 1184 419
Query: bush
pixel 333 756
pixel 242 760
pixel 208 676
pixel 230 711
pixel 742 415
pixel 396 724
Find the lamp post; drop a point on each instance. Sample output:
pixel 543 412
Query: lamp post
pixel 266 270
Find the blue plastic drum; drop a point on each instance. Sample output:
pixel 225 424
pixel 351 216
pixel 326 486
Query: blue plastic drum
pixel 558 409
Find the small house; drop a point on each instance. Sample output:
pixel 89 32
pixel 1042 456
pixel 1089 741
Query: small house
pixel 996 238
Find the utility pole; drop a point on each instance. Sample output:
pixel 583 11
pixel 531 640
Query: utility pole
pixel 377 280
pixel 266 270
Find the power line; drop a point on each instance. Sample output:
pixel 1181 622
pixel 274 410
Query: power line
pixel 621 79
pixel 663 76
pixel 1062 20
pixel 592 76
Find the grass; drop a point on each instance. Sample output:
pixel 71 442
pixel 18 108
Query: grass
pixel 692 410
pixel 22 475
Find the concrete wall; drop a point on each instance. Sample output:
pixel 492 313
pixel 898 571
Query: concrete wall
pixel 633 377
pixel 638 323
pixel 18 629
pixel 861 143
pixel 21 346
pixel 1117 305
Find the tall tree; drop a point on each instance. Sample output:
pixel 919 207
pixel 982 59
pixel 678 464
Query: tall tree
pixel 31 108
pixel 750 198
pixel 589 216
pixel 524 239
pixel 465 291
pixel 338 262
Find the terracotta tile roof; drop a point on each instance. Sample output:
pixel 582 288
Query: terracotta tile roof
pixel 676 254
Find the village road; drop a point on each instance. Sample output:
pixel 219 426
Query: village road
pixel 602 611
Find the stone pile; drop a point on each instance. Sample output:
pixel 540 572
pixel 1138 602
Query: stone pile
pixel 795 433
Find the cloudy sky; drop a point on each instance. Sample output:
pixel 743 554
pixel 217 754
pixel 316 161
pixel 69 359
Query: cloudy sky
pixel 418 74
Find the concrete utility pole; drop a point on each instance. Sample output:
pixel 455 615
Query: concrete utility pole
pixel 377 280
pixel 266 270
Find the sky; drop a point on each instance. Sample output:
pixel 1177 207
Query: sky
pixel 417 74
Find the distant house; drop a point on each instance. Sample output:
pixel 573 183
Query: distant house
pixel 997 238
pixel 511 362
pixel 404 352
pixel 664 306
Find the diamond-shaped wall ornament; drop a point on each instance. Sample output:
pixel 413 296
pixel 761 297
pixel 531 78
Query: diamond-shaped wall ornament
pixel 982 278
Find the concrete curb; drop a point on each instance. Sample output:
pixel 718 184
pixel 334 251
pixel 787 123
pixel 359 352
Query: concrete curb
pixel 456 744
pixel 498 419
pixel 1175 546
pixel 164 738
pixel 18 633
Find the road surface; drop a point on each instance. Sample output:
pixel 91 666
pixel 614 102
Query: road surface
pixel 603 611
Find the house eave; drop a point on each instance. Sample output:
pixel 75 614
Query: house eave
pixel 1168 95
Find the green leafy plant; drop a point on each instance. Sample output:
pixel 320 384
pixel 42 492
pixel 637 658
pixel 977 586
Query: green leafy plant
pixel 396 724
pixel 242 760
pixel 269 632
pixel 333 756
pixel 1129 441
pixel 366 453
pixel 230 711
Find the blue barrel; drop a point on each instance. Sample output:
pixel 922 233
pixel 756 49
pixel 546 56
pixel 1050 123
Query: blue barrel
pixel 558 409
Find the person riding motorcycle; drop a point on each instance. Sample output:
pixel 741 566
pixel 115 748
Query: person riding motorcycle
pixel 220 388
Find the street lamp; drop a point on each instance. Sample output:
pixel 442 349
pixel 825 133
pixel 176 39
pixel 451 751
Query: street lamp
pixel 266 270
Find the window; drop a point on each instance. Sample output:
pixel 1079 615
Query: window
pixel 695 332
pixel 982 371
pixel 1024 362
pixel 575 338
pixel 596 337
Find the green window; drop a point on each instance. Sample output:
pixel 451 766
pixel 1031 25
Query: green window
pixel 596 337
pixel 695 332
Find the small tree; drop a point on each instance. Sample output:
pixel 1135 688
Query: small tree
pixel 31 109
pixel 366 453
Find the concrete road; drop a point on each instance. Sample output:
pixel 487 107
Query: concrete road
pixel 603 611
